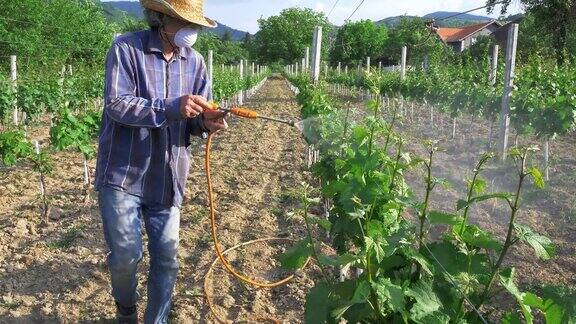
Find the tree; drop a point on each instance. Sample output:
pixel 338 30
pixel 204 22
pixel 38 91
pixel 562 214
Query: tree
pixel 55 32
pixel 421 42
pixel 556 18
pixel 227 36
pixel 224 52
pixel 357 40
pixel 130 24
pixel 284 37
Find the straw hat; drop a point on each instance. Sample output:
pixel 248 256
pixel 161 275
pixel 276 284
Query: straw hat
pixel 187 10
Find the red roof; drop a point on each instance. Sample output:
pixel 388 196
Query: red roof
pixel 457 34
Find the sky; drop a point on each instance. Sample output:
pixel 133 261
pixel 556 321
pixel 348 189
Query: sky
pixel 244 14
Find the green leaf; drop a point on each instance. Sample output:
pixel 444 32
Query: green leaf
pixel 438 217
pixel 475 236
pixel 551 310
pixel 542 245
pixel 511 318
pixel 507 281
pixel 295 257
pixel 536 177
pixel 426 301
pixel 339 311
pixel 461 204
pixel 322 222
pixel 375 228
pixel 362 292
pixel 341 260
pixel 390 296
pixel 376 246
pixel 563 296
pixel 317 302
pixel 420 259
pixel 479 186
pixel 360 296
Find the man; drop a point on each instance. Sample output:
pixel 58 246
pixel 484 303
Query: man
pixel 155 99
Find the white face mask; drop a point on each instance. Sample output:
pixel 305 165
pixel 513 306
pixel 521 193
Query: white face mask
pixel 186 37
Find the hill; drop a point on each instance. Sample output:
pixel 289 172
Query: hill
pixel 461 20
pixel 115 9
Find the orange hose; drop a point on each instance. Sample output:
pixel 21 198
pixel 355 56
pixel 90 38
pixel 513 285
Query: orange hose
pixel 210 271
pixel 219 251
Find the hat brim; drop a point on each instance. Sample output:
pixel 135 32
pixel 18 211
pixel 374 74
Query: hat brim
pixel 165 8
pixel 202 21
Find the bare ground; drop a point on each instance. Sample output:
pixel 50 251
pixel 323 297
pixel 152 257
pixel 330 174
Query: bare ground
pixel 57 273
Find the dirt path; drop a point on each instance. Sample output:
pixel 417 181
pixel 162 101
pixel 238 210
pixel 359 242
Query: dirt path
pixel 550 211
pixel 58 273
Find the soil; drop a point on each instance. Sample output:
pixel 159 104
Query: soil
pixel 57 272
pixel 550 211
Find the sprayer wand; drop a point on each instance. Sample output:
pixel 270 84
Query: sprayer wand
pixel 247 113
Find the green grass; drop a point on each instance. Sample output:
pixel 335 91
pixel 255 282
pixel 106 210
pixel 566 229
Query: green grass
pixel 277 211
pixel 12 304
pixel 67 239
pixel 290 196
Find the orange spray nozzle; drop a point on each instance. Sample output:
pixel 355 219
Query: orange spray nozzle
pixel 247 113
pixel 237 111
pixel 243 112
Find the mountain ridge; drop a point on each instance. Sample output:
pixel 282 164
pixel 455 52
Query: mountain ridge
pixel 133 9
pixel 460 20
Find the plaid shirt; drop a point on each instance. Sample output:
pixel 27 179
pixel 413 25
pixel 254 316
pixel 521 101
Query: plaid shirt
pixel 144 141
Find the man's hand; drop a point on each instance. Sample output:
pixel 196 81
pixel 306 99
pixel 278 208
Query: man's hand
pixel 214 120
pixel 191 106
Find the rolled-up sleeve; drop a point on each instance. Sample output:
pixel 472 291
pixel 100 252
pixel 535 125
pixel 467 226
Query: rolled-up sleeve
pixel 121 102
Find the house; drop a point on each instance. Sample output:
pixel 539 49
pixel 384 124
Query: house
pixel 501 34
pixel 461 38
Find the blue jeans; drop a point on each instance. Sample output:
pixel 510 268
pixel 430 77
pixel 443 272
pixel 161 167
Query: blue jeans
pixel 122 216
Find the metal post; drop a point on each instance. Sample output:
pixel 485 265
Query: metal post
pixel 508 85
